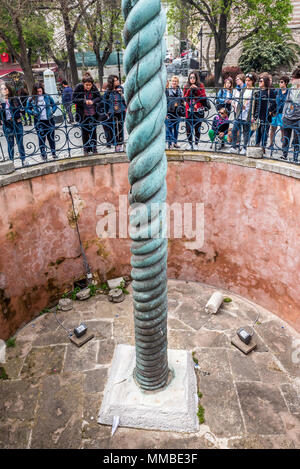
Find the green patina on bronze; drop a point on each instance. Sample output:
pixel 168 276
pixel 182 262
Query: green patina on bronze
pixel 146 110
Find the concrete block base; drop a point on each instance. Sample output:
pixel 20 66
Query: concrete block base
pixel 255 152
pixel 7 167
pixel 174 408
pixel 2 351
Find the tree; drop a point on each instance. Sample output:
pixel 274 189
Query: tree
pixel 104 23
pixel 231 22
pixel 260 55
pixel 25 34
pixel 71 16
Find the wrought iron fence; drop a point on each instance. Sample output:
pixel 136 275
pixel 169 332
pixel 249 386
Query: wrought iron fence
pixel 31 135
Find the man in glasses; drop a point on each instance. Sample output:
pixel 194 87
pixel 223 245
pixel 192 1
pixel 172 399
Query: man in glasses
pixel 291 117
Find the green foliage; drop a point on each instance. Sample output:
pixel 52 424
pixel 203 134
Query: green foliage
pixel 3 374
pixel 103 25
pixel 232 22
pixel 268 55
pixel 227 300
pixel 201 410
pixel 194 358
pixel 104 286
pixel 93 289
pixel 74 292
pixel 122 287
pixel 35 30
pixel 71 294
pixel 11 342
pixel 200 414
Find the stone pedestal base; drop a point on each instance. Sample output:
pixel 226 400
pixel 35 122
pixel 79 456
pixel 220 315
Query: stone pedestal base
pixel 2 351
pixel 7 167
pixel 255 152
pixel 174 408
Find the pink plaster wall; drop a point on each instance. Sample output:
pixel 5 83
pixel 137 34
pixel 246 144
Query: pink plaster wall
pixel 251 243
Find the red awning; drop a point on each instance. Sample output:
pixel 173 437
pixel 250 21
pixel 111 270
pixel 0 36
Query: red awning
pixel 6 71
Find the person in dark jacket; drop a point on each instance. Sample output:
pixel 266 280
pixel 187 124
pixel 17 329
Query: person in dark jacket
pixel 265 109
pixel 42 107
pixel 67 97
pixel 291 118
pixel 11 117
pixel 115 109
pixel 176 111
pixel 281 96
pixel 88 102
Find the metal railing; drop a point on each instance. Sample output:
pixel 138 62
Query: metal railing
pixel 192 123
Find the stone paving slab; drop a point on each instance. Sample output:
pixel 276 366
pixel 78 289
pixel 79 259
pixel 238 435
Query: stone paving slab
pixel 261 404
pixel 243 368
pixel 54 389
pixel 269 369
pixel 58 421
pixel 221 405
pixel 15 357
pixel 81 359
pixel 43 360
pixel 292 398
pixel 106 351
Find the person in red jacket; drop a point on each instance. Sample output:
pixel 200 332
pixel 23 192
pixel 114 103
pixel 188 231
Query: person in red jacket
pixel 195 101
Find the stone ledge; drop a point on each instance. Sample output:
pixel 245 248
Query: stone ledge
pixel 278 167
pixel 65 164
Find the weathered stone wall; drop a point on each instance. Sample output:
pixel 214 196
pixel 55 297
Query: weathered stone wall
pixel 251 236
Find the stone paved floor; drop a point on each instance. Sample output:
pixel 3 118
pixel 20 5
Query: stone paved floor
pixel 54 391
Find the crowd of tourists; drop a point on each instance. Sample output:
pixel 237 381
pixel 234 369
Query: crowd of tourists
pixel 242 110
pixel 245 107
pixel 84 105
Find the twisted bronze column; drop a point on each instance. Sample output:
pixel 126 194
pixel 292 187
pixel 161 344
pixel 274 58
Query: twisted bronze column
pixel 145 121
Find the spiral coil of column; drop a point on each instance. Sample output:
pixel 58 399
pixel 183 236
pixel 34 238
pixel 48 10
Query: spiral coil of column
pixel 146 110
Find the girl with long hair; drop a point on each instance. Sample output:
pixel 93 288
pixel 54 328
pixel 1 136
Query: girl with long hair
pixel 224 96
pixel 265 109
pixel 115 109
pixel 42 107
pixel 195 100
